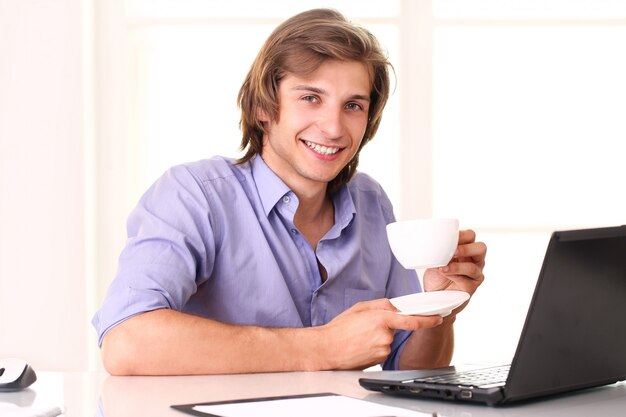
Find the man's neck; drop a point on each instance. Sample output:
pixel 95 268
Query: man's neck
pixel 311 202
pixel 315 216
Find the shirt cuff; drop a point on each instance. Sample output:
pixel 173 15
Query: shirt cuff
pixel 392 361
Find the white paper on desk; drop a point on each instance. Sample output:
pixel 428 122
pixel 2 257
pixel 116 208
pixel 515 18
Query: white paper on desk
pixel 327 406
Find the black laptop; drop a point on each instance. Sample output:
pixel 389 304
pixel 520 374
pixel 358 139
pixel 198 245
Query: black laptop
pixel 574 336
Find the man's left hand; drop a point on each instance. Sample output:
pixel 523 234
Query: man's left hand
pixel 465 270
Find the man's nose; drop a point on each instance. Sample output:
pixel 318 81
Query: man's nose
pixel 331 122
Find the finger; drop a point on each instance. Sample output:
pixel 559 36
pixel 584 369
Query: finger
pixel 464 283
pixel 474 250
pixel 403 322
pixel 378 304
pixel 466 236
pixel 466 269
pixel 479 261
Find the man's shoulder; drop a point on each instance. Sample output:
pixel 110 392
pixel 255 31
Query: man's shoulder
pixel 216 175
pixel 217 171
pixel 367 195
pixel 362 182
pixel 215 168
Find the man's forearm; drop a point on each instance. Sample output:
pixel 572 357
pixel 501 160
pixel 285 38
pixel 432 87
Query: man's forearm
pixel 167 342
pixel 429 348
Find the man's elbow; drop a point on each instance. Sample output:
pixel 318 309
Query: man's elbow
pixel 117 354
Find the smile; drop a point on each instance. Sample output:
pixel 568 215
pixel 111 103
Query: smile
pixel 322 150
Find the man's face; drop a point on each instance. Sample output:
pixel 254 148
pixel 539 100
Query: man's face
pixel 322 120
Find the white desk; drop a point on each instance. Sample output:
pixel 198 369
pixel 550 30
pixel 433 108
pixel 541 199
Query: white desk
pixel 97 394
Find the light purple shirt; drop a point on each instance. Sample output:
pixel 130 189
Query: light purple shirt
pixel 218 240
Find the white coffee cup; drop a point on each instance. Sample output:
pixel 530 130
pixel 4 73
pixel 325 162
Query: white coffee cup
pixel 423 243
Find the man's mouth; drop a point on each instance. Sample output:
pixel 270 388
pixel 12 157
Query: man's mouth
pixel 322 150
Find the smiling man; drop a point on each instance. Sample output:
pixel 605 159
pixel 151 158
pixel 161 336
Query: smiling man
pixel 279 261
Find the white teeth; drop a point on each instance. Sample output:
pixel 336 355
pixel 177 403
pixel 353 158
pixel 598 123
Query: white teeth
pixel 324 150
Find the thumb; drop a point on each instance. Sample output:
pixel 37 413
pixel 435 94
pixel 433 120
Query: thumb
pixel 405 322
pixel 378 304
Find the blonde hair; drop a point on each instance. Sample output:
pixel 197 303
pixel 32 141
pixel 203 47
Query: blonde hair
pixel 299 46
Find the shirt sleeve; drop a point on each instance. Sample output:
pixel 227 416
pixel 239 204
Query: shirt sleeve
pixel 168 254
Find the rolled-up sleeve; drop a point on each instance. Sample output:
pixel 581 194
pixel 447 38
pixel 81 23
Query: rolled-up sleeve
pixel 168 254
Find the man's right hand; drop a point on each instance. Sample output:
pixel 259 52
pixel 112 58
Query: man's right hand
pixel 362 335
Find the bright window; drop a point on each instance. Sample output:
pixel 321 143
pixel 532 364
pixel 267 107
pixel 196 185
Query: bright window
pixel 528 137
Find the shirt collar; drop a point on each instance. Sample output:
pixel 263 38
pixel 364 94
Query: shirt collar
pixel 345 211
pixel 271 190
pixel 269 185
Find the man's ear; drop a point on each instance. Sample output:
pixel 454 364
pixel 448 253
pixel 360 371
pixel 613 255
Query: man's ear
pixel 261 115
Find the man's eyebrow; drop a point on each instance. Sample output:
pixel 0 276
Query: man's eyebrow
pixel 321 91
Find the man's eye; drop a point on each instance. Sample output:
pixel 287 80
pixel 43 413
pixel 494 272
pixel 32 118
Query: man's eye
pixel 310 99
pixel 354 106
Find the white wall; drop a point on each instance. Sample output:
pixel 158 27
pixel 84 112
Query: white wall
pixel 43 288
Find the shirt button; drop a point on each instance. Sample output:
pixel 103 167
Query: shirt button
pixel 294 231
pixel 286 199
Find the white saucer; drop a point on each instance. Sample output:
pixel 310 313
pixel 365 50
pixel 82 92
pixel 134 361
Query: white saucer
pixel 433 303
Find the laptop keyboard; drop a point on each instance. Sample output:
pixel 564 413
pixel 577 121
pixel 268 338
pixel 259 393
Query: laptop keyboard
pixel 481 378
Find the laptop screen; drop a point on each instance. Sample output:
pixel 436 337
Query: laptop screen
pixel 575 332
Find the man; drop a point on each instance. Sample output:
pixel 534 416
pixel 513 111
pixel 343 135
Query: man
pixel 280 261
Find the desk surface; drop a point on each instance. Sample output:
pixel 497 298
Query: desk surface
pixel 101 395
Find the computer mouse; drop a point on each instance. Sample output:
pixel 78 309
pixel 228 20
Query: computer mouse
pixel 15 375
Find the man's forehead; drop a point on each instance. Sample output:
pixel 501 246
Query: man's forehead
pixel 355 77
